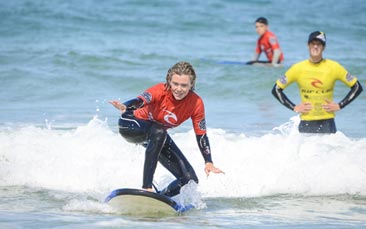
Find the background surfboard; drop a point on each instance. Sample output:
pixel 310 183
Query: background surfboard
pixel 233 62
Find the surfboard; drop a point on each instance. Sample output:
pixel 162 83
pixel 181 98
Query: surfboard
pixel 233 62
pixel 137 202
pixel 230 62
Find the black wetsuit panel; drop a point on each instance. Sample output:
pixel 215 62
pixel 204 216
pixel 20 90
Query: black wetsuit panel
pixel 159 147
pixel 326 126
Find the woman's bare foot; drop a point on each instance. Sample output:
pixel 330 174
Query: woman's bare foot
pixel 149 189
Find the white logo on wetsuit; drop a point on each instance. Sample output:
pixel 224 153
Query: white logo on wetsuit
pixel 169 116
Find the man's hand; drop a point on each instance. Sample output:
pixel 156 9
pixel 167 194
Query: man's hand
pixel 330 106
pixel 303 107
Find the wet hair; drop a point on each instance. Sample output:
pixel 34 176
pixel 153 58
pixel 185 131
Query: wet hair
pixel 262 20
pixel 181 68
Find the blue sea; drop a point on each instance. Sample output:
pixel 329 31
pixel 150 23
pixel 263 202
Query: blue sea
pixel 61 61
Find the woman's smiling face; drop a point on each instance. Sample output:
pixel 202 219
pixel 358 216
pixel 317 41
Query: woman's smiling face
pixel 180 86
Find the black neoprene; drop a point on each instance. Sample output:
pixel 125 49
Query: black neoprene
pixel 204 145
pixel 354 92
pixel 280 96
pixel 159 147
pixel 134 104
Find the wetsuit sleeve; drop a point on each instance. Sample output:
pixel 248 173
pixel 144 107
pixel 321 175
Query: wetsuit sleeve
pixel 198 117
pixel 273 41
pixel 352 94
pixel 258 50
pixel 280 96
pixel 204 145
pixel 134 104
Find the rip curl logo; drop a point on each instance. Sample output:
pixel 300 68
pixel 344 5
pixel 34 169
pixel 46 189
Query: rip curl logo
pixel 316 83
pixel 170 118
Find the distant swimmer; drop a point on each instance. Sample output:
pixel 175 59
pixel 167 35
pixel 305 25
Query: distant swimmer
pixel 316 78
pixel 146 119
pixel 268 44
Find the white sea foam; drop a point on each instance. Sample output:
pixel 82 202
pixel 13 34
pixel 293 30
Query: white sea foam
pixel 94 158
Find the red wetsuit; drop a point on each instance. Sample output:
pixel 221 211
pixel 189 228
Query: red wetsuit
pixel 267 43
pixel 161 106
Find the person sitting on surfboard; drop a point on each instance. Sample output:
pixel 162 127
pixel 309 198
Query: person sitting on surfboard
pixel 146 119
pixel 316 78
pixel 267 43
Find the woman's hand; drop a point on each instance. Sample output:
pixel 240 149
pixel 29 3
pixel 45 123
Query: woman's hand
pixel 209 167
pixel 118 105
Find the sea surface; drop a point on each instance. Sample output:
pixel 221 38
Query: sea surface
pixel 61 61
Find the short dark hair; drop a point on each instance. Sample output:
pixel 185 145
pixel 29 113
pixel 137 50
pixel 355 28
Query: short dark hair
pixel 262 20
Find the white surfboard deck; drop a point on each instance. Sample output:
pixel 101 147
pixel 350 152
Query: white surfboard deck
pixel 138 202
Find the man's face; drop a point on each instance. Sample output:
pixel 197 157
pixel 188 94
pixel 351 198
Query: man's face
pixel 260 28
pixel 316 48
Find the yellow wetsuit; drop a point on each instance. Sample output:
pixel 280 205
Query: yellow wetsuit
pixel 316 83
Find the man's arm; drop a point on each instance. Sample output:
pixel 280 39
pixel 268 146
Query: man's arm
pixel 276 57
pixel 280 96
pixel 352 94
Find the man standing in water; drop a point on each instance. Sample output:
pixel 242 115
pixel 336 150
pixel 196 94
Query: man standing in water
pixel 267 43
pixel 316 79
pixel 145 121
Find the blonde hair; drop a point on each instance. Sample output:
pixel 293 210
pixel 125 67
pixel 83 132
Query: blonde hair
pixel 181 68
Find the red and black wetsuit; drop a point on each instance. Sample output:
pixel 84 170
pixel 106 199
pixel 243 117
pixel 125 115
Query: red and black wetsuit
pixel 146 122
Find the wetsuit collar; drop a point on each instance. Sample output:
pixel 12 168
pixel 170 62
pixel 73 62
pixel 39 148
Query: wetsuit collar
pixel 317 62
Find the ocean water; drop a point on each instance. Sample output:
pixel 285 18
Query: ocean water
pixel 60 151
